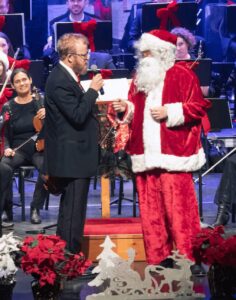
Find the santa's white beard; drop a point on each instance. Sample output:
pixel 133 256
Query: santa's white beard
pixel 149 74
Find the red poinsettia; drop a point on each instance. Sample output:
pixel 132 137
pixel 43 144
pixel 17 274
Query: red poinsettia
pixel 47 259
pixel 211 246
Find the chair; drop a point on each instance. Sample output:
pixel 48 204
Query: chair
pixel 233 212
pixel 122 197
pixel 23 170
pixel 124 232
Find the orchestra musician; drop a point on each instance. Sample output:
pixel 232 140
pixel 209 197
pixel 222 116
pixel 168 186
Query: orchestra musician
pixel 18 129
pixel 71 135
pixel 7 48
pixel 4 65
pixel 5 92
pixel 185 43
pixel 4 7
pixel 5 177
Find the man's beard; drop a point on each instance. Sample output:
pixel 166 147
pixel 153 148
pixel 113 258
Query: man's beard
pixel 149 74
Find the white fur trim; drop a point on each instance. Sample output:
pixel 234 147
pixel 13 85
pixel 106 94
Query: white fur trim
pixel 175 115
pixel 129 113
pixel 150 42
pixel 151 128
pixel 143 162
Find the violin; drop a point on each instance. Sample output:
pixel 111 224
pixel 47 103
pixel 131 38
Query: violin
pixel 38 123
pixel 53 185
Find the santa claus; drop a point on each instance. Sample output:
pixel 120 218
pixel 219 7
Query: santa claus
pixel 164 111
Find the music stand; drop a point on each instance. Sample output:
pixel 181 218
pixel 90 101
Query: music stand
pixel 202 69
pixel 37 72
pixel 223 68
pixel 230 19
pixel 219 114
pixel 103 29
pixel 14 28
pixel 23 6
pixel 116 73
pixel 186 14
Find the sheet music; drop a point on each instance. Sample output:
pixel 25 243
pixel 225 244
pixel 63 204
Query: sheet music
pixel 113 89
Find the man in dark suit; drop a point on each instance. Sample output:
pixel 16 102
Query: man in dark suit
pixel 71 135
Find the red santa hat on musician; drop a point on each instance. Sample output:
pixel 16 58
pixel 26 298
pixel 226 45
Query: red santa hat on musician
pixel 156 51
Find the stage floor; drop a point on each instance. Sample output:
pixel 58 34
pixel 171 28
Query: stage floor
pixel 78 289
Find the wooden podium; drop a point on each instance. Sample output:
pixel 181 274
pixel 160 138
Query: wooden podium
pixel 124 232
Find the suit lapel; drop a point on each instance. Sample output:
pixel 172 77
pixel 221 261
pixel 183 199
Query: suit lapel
pixel 71 79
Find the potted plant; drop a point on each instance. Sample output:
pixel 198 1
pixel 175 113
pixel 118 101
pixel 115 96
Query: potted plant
pixel 214 248
pixel 9 247
pixel 46 258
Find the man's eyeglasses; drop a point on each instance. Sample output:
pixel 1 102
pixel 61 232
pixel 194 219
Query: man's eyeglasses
pixel 83 56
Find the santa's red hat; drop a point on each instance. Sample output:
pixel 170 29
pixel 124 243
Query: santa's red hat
pixel 156 39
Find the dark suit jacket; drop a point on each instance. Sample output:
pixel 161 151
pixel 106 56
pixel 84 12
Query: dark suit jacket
pixel 133 28
pixel 71 130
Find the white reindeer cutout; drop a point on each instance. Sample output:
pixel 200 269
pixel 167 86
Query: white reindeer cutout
pixel 122 282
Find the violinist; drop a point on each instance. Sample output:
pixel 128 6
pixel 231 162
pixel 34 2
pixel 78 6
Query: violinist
pixel 13 57
pixel 5 177
pixel 4 66
pixel 19 129
pixel 5 92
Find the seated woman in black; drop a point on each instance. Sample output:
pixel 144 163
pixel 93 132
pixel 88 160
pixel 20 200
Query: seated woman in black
pixel 5 177
pixel 18 129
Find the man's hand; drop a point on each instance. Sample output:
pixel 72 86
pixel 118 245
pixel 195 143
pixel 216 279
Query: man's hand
pixel 119 105
pixel 97 82
pixel 159 113
pixel 41 113
pixel 9 152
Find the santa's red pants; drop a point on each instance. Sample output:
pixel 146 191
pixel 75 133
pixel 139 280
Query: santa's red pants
pixel 169 213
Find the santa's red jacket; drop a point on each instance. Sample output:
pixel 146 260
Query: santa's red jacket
pixel 173 144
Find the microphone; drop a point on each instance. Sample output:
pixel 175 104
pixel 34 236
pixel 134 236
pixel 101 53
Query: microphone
pixel 94 69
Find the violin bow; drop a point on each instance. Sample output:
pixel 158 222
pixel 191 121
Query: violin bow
pixel 33 138
pixel 199 56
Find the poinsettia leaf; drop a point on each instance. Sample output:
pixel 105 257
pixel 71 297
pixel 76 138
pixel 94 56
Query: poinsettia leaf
pixel 34 243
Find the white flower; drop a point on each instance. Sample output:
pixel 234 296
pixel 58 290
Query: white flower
pixel 8 244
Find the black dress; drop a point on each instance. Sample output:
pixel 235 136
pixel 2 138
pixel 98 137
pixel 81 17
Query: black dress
pixel 17 130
